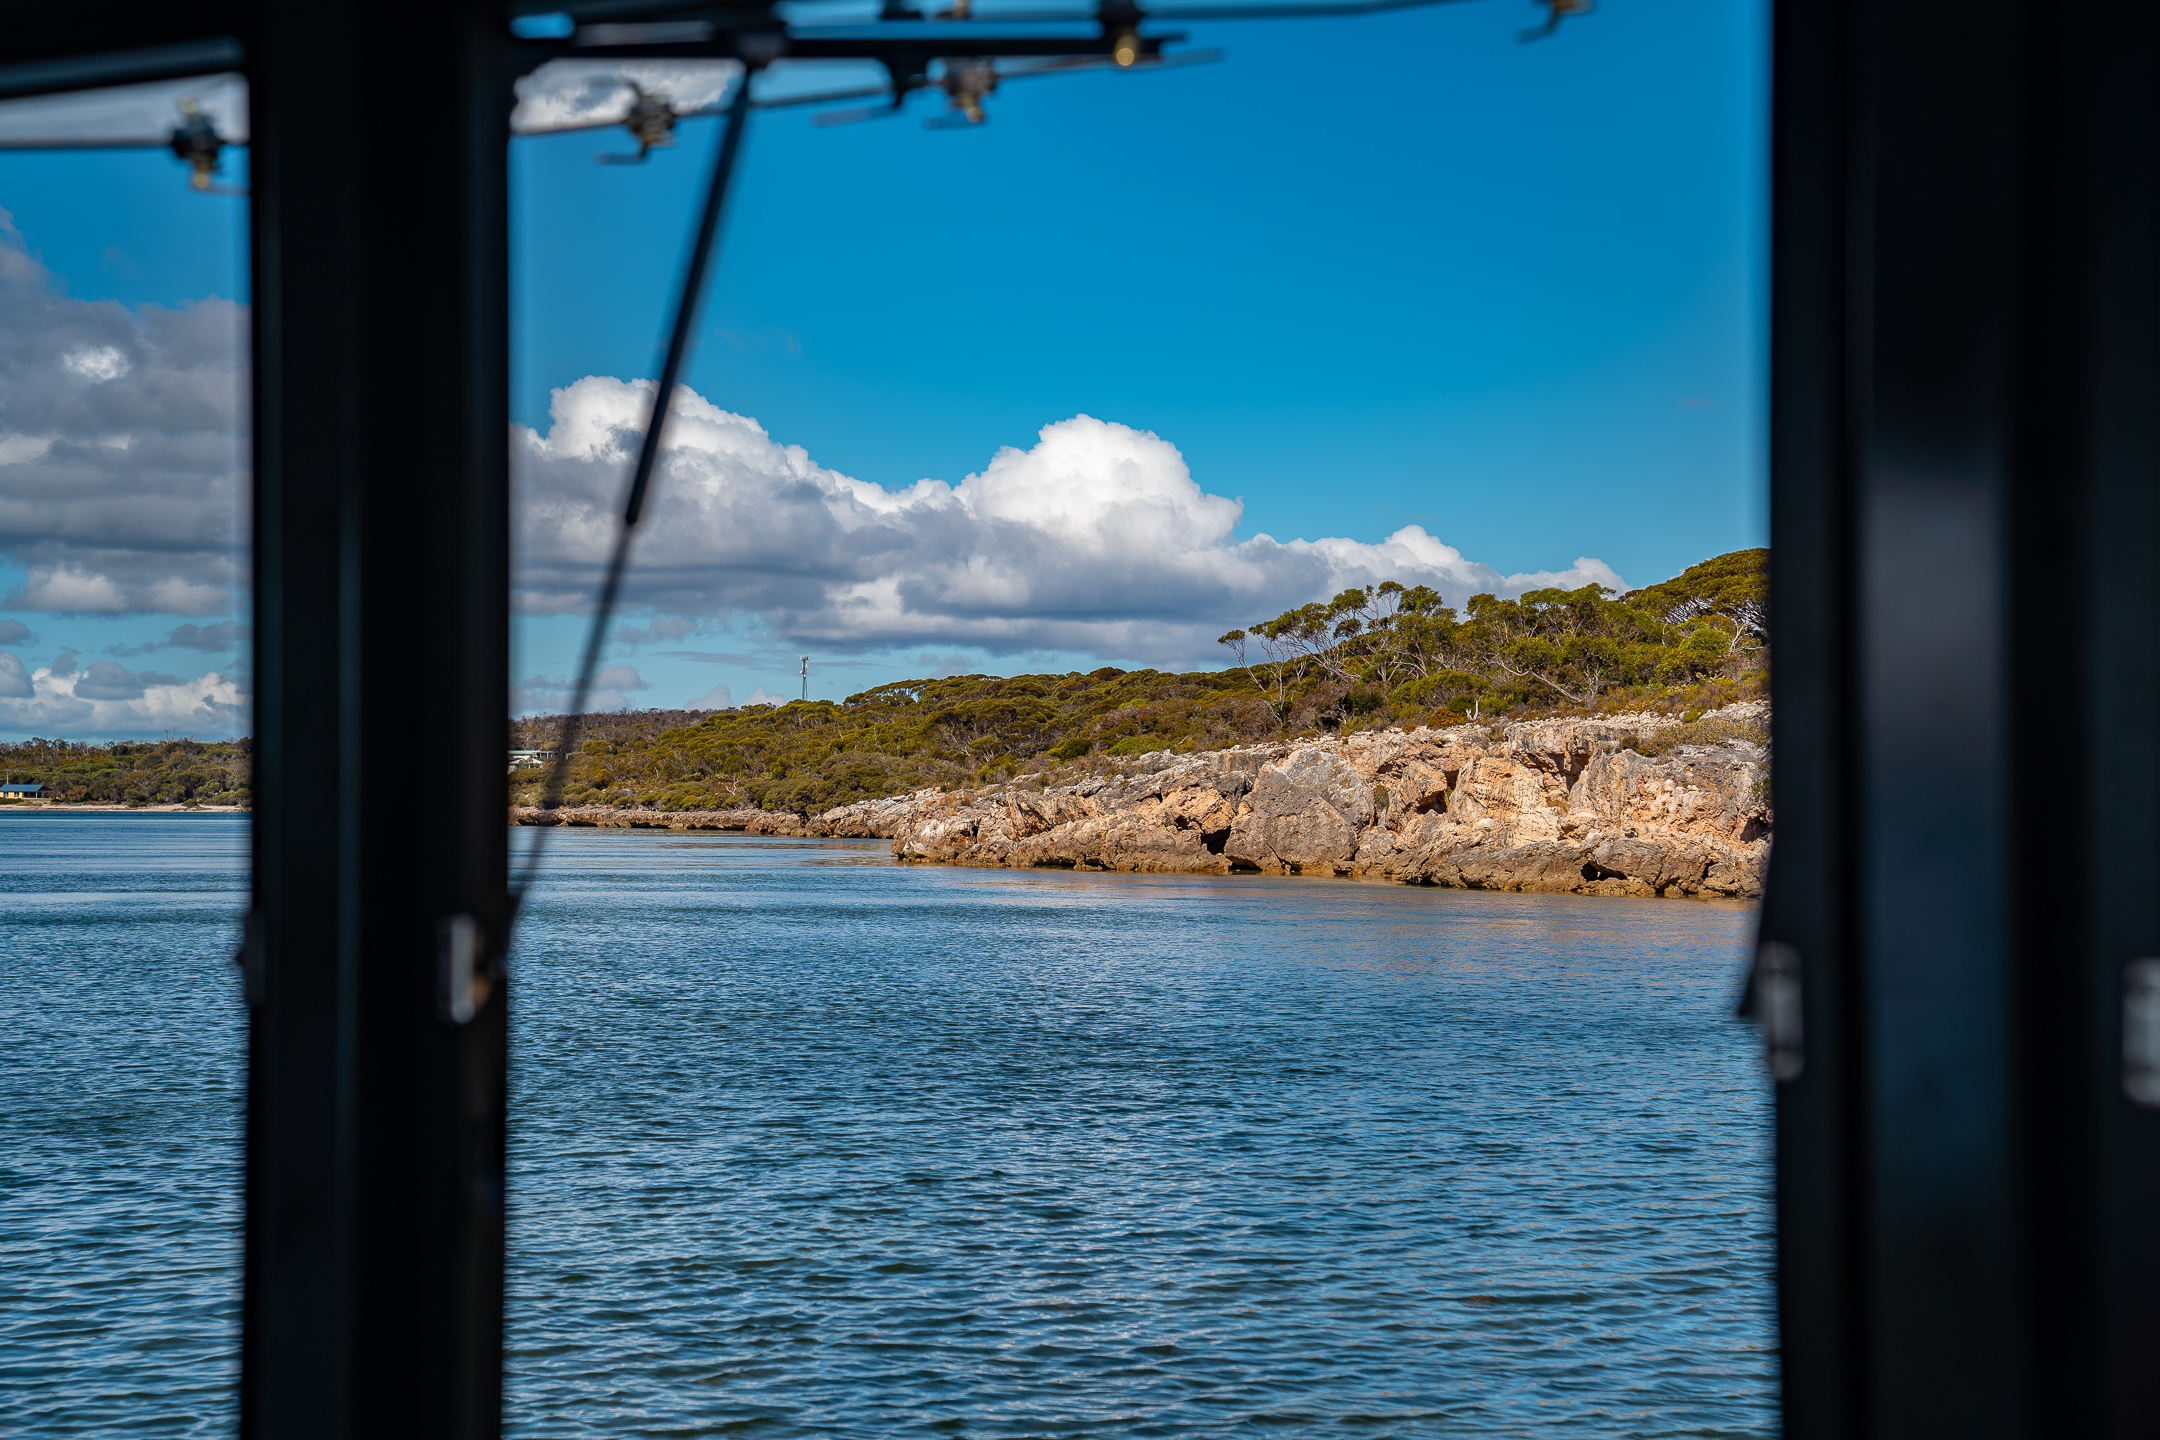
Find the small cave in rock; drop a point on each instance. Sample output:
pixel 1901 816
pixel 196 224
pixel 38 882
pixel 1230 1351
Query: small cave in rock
pixel 1215 840
pixel 1756 828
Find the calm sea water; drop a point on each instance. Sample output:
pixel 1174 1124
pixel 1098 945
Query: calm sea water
pixel 808 1144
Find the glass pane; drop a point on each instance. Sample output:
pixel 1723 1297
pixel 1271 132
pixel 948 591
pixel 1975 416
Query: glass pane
pixel 125 699
pixel 946 1007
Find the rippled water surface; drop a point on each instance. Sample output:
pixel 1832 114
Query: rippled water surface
pixel 121 1075
pixel 808 1144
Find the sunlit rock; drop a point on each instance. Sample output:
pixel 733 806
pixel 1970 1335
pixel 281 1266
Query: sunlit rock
pixel 1562 806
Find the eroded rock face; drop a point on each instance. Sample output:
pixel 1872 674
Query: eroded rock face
pixel 1306 812
pixel 1551 805
pixel 1545 805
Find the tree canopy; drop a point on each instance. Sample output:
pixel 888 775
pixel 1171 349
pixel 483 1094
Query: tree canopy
pixel 1545 648
pixel 159 772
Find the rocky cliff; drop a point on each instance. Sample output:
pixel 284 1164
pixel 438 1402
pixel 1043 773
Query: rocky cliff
pixel 1546 805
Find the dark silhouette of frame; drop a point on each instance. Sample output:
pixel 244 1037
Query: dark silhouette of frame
pixel 1965 594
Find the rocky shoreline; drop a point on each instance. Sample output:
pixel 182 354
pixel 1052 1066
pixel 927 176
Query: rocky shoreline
pixel 102 807
pixel 1555 806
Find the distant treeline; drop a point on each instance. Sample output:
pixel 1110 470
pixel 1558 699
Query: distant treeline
pixel 1369 658
pixel 157 772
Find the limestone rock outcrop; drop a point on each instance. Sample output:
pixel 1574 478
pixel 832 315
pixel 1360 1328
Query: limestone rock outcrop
pixel 1548 805
pixel 1542 805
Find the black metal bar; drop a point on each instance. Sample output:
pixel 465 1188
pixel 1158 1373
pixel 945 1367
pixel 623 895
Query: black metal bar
pixel 47 48
pixel 1122 11
pixel 1810 865
pixel 2085 569
pixel 904 47
pixel 1966 370
pixel 687 302
pixel 83 72
pixel 373 1299
pixel 686 308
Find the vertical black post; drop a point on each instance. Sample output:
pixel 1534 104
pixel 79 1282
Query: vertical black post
pixel 375 1126
pixel 2085 611
pixel 1966 365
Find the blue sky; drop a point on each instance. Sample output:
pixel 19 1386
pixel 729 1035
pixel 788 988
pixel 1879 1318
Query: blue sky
pixel 1364 274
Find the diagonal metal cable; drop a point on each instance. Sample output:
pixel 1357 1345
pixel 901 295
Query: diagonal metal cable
pixel 686 307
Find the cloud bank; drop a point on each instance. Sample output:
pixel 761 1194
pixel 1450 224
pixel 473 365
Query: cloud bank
pixel 105 698
pixel 121 466
pixel 612 688
pixel 1096 539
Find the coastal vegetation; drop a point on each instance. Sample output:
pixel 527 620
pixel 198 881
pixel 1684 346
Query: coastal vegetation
pixel 157 772
pixel 1397 647
pixel 1367 659
pixel 1389 656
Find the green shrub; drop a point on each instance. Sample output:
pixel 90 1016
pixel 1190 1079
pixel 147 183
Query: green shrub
pixel 1711 731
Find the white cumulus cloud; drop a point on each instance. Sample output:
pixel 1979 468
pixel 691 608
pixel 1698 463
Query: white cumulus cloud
pixel 1096 539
